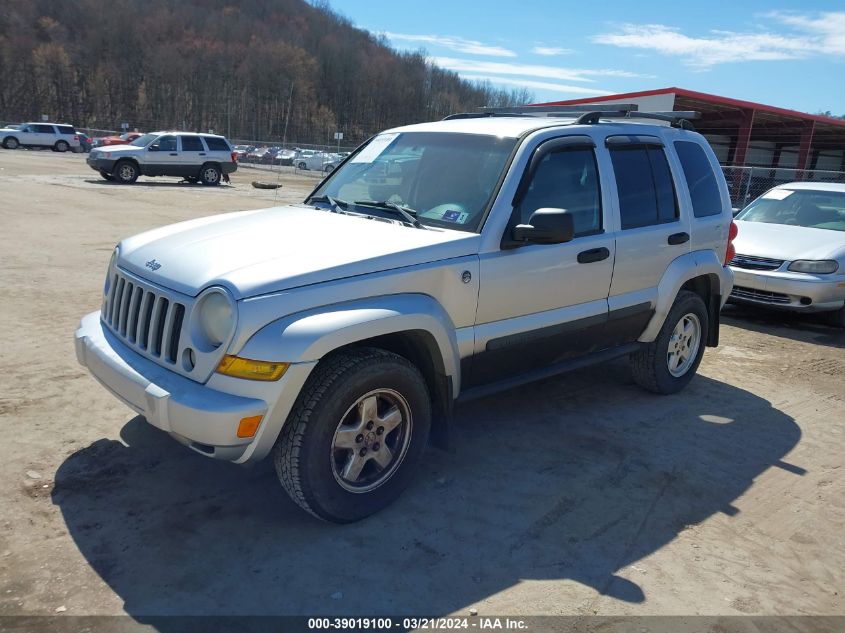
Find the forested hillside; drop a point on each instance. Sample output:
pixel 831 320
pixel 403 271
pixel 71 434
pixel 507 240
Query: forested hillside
pixel 262 69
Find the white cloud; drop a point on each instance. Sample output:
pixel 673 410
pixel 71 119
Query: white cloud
pixel 538 85
pixel 821 34
pixel 527 70
pixel 457 44
pixel 551 51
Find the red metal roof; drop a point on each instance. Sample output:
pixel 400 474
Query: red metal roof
pixel 703 96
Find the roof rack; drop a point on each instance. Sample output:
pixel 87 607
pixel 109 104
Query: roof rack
pixel 587 113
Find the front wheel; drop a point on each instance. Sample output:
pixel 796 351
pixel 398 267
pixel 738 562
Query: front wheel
pixel 302 166
pixel 355 436
pixel 10 142
pixel 669 362
pixel 837 319
pixel 126 172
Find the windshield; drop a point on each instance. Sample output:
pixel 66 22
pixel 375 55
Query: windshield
pixel 445 179
pixel 811 209
pixel 143 141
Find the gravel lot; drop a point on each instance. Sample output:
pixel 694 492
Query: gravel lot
pixel 577 495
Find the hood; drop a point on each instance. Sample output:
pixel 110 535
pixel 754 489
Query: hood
pixel 269 250
pixel 786 242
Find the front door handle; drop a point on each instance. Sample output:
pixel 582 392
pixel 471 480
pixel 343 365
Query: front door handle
pixel 593 255
pixel 173 154
pixel 678 238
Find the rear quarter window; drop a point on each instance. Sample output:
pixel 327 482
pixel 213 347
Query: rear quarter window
pixel 701 182
pixel 66 129
pixel 216 144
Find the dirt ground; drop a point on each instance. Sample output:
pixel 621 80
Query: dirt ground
pixel 578 495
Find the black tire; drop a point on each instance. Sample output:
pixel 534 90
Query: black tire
pixel 61 146
pixel 650 365
pixel 10 142
pixel 328 169
pixel 210 175
pixel 301 166
pixel 106 175
pixel 306 456
pixel 126 172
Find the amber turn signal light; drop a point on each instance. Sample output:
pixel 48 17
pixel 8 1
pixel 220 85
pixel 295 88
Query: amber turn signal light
pixel 248 426
pixel 249 369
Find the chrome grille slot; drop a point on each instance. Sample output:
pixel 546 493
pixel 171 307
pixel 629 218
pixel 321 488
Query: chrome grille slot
pixel 751 262
pixel 145 317
pixel 741 292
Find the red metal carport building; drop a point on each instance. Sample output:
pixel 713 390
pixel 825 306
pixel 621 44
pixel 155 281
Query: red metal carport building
pixel 744 133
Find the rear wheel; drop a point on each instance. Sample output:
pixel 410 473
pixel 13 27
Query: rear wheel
pixel 210 175
pixel 355 436
pixel 61 146
pixel 301 165
pixel 669 362
pixel 10 142
pixel 126 172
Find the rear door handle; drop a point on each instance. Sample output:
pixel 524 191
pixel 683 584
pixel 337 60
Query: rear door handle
pixel 174 154
pixel 202 153
pixel 678 238
pixel 593 255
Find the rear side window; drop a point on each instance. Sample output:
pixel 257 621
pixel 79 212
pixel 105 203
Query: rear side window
pixel 192 144
pixel 44 129
pixel 216 144
pixel 66 129
pixel 702 185
pixel 644 183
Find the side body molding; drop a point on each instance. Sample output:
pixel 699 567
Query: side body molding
pixel 308 336
pixel 688 266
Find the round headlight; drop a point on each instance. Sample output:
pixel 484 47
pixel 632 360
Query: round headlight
pixel 216 318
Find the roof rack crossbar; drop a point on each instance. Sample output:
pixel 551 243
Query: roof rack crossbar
pixel 553 111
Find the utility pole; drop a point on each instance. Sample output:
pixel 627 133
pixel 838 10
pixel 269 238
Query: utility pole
pixel 287 117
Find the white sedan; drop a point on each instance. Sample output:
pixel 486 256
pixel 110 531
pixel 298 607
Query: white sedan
pixel 790 251
pixel 318 161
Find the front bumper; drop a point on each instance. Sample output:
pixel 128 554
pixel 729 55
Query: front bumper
pixel 101 164
pixel 788 290
pixel 203 417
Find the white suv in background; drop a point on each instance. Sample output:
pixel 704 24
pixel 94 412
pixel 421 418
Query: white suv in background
pixel 195 157
pixel 60 137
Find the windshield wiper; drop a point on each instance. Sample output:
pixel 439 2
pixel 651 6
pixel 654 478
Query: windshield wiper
pixel 336 203
pixel 407 213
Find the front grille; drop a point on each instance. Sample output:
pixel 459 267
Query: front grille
pixel 741 292
pixel 756 263
pixel 144 317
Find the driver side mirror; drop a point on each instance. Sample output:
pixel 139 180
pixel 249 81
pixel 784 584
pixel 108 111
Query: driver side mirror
pixel 153 148
pixel 546 226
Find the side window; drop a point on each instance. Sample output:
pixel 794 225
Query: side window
pixel 167 144
pixel 45 129
pixel 66 129
pixel 216 144
pixel 644 183
pixel 702 185
pixel 567 179
pixel 191 144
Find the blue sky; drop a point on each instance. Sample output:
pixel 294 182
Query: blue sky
pixel 790 55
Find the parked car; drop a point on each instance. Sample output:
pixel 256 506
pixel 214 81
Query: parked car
pixel 59 137
pixel 791 250
pixel 195 157
pixel 253 155
pixel 337 334
pixel 122 139
pixel 284 157
pixel 319 161
pixel 85 143
pixel 242 150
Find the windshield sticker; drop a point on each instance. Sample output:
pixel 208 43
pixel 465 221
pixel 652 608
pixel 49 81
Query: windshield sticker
pixel 375 148
pixel 458 217
pixel 777 194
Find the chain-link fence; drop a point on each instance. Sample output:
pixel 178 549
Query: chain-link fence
pixel 747 183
